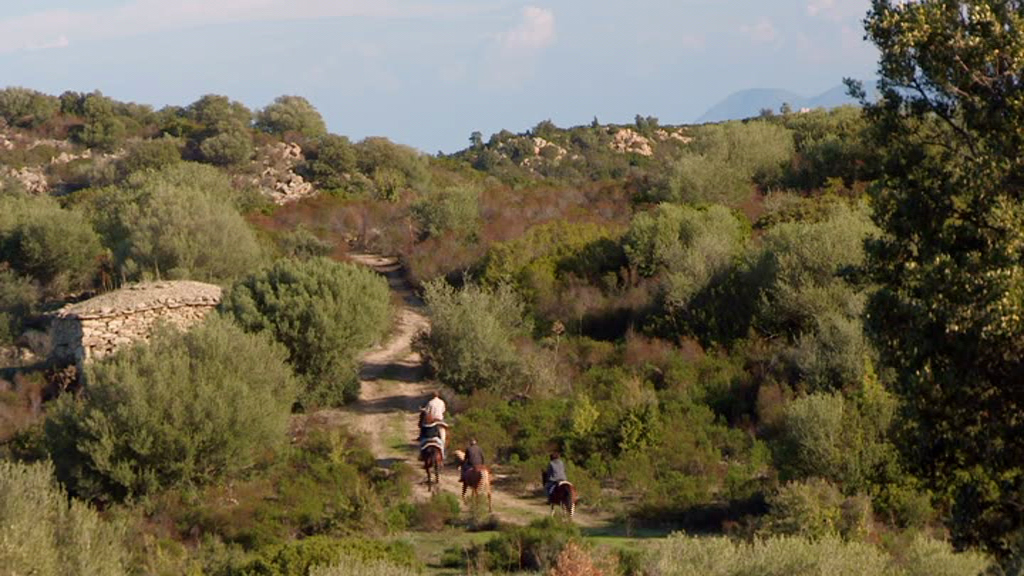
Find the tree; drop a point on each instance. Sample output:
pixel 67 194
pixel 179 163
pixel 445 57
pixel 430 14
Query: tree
pixel 26 108
pixel 187 408
pixel 291 114
pixel 176 223
pixel 470 344
pixel 56 247
pixel 949 314
pixel 323 312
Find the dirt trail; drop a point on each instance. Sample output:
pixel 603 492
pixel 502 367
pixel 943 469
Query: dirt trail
pixel 393 389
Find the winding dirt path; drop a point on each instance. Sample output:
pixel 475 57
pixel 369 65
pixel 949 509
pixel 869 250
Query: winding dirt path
pixel 393 389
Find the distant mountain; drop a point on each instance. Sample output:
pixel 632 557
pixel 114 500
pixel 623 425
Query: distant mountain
pixel 747 103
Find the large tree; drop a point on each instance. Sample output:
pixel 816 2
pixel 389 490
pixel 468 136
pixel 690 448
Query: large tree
pixel 949 312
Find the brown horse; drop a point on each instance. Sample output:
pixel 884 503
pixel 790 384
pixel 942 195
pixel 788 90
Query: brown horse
pixel 431 456
pixel 563 496
pixel 477 479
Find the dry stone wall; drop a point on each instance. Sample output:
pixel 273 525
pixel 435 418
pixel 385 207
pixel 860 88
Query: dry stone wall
pixel 95 328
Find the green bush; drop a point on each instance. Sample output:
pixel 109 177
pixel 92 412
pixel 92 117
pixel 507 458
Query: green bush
pixel 301 557
pixel 723 163
pixel 19 297
pixel 332 160
pixel 186 408
pixel 533 547
pixel 350 566
pixel 150 155
pixel 682 555
pixel 26 108
pixel 452 209
pixel 470 344
pixel 689 245
pixel 227 148
pixel 56 247
pixel 325 314
pixel 291 114
pixel 845 440
pixel 45 535
pixel 177 223
pixel 812 508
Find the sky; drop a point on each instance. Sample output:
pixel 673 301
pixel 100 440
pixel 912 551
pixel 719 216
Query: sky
pixel 428 73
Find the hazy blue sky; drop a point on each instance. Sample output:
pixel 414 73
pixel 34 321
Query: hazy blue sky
pixel 429 72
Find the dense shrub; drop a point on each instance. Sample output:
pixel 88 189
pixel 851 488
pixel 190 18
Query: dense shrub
pixel 471 341
pixel 689 245
pixel 56 247
pixel 46 535
pixel 805 297
pixel 291 114
pixel 324 313
pixel 176 223
pixel 331 160
pixel 19 297
pixel 724 162
pixel 227 148
pixel 533 547
pixel 26 108
pixel 452 209
pixel 186 408
pixel 299 558
pixel 815 508
pixel 681 555
pixel 150 155
pixel 352 566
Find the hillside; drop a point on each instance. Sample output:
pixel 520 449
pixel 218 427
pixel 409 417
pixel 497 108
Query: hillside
pixel 674 311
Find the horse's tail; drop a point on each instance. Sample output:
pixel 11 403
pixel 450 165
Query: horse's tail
pixel 572 500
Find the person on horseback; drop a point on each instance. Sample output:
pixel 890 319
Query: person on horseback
pixel 474 458
pixel 554 473
pixel 433 413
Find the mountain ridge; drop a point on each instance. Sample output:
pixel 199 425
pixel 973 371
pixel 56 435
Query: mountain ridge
pixel 748 103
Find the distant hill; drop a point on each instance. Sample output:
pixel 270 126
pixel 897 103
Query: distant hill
pixel 747 103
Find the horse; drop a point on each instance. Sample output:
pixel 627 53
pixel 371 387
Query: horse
pixel 564 496
pixel 477 479
pixel 431 456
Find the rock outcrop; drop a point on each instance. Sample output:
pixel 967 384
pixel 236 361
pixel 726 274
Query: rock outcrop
pixel 278 179
pixel 628 140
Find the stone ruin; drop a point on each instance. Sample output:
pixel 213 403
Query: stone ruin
pixel 97 327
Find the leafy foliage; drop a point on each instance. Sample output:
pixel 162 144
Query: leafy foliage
pixel 948 315
pixel 323 312
pixel 47 535
pixel 682 555
pixel 56 247
pixel 176 223
pixel 291 114
pixel 470 344
pixel 186 408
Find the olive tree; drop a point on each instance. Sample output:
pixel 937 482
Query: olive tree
pixel 186 408
pixel 323 312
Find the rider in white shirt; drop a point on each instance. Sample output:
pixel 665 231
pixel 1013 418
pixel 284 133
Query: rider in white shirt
pixel 435 413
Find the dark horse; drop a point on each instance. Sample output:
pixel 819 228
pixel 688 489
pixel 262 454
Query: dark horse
pixel 431 456
pixel 563 496
pixel 430 453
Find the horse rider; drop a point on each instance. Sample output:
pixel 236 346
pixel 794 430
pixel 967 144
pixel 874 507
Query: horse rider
pixel 474 459
pixel 554 473
pixel 435 410
pixel 430 434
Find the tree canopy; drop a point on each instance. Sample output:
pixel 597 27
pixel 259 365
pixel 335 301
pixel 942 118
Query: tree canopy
pixel 949 314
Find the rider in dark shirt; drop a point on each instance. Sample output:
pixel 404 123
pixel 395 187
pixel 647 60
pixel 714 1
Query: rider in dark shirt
pixel 474 457
pixel 554 473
